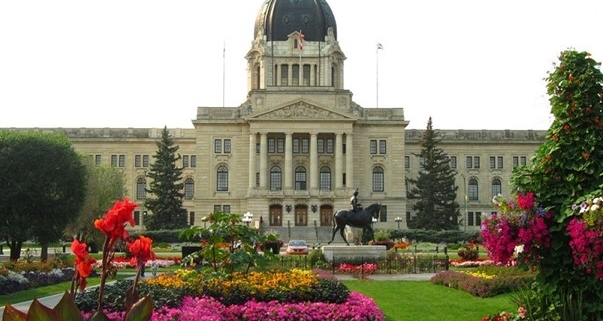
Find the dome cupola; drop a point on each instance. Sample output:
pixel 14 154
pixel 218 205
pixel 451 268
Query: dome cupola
pixel 279 18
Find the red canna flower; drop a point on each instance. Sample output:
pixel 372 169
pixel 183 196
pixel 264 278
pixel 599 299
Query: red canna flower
pixel 83 262
pixel 114 223
pixel 141 250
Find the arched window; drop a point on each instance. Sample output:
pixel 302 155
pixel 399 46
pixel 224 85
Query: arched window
pixel 325 178
pixel 276 179
pixel 496 187
pixel 300 178
pixel 189 189
pixel 472 189
pixel 378 179
pixel 141 185
pixel 222 182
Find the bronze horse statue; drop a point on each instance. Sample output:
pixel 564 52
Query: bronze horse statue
pixel 362 218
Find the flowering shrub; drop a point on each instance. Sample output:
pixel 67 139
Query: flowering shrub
pixel 469 252
pixel 518 222
pixel 506 316
pixel 585 231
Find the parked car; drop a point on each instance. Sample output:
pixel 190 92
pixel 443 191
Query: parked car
pixel 297 247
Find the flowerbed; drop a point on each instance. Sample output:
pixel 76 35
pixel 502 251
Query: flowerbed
pixel 461 263
pixel 19 276
pixel 272 295
pixel 481 284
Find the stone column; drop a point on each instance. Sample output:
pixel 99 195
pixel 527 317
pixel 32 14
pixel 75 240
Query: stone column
pixel 252 167
pixel 288 161
pixel 338 161
pixel 349 161
pixel 313 161
pixel 263 160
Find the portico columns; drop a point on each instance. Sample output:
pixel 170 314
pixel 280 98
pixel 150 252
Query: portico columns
pixel 338 161
pixel 349 161
pixel 288 161
pixel 313 161
pixel 252 167
pixel 263 160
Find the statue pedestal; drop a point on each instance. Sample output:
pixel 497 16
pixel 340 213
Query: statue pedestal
pixel 339 252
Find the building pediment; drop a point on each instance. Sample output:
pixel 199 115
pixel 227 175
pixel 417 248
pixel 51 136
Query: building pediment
pixel 301 110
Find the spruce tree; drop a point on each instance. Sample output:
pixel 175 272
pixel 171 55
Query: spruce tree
pixel 433 192
pixel 166 188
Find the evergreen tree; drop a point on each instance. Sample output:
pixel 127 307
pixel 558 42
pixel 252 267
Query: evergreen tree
pixel 166 188
pixel 433 192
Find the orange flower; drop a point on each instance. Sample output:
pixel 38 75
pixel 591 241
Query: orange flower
pixel 114 222
pixel 585 155
pixel 141 250
pixel 83 262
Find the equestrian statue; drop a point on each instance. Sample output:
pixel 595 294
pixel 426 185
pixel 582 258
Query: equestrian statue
pixel 355 217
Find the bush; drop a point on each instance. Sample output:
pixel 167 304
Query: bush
pixel 478 284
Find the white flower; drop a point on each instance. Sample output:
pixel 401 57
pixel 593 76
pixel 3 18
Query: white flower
pixel 594 207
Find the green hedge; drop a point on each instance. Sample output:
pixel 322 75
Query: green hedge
pixel 447 236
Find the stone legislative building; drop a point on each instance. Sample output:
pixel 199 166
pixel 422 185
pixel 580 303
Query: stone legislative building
pixel 298 146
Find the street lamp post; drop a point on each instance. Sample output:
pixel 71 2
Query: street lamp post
pixel 465 200
pixel 247 217
pixel 398 219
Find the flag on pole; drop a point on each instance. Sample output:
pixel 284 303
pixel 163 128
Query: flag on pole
pixel 300 41
pixel 379 46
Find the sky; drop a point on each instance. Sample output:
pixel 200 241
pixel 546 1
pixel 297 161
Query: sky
pixel 467 64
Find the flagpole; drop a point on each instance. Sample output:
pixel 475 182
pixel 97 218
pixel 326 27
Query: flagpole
pixel 377 75
pixel 379 47
pixel 223 73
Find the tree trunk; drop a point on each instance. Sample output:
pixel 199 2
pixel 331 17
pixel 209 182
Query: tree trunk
pixel 44 252
pixel 15 250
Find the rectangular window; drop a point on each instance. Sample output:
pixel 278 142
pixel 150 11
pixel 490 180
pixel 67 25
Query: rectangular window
pixel 217 208
pixel 306 75
pixel 137 217
pixel 227 146
pixel 122 160
pixel 383 214
pixel 113 160
pixel 185 161
pixel 452 162
pixel 284 75
pixel 470 216
pixel 515 161
pixel 137 160
pixel 271 145
pixel 257 179
pixel 373 147
pixel 523 160
pixel 305 146
pixel 330 146
pixel 193 160
pixel 472 192
pixel 296 145
pixel 217 146
pixel 499 162
pixel 383 147
pixel 492 162
pixel 478 218
pixel 280 145
pixel 97 159
pixel 469 162
pixel 407 162
pixel 320 146
pixel 145 160
pixel 295 75
pixel 226 209
pixel 421 161
pixel 476 162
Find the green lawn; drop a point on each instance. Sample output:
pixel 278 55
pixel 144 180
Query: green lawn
pixel 424 301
